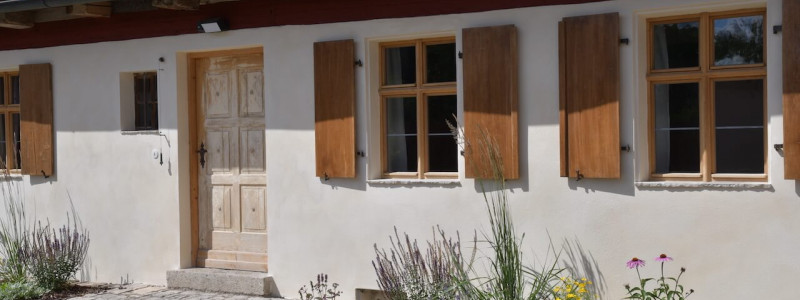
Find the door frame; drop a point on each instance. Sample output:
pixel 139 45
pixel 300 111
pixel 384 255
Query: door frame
pixel 194 193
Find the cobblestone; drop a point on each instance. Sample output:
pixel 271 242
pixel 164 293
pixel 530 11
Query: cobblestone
pixel 153 292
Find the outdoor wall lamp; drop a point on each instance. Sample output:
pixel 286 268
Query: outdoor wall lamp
pixel 212 25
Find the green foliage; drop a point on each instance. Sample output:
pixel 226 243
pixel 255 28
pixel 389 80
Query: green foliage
pixel 443 273
pixel 405 273
pixel 20 290
pixel 53 255
pixel 320 290
pixel 14 229
pixel 667 288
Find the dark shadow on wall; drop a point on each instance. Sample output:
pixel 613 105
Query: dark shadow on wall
pixel 797 187
pixel 580 263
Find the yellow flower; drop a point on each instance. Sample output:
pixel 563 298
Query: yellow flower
pixel 583 279
pixel 570 295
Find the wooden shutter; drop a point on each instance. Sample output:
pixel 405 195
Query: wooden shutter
pixel 36 108
pixel 791 89
pixel 334 108
pixel 490 97
pixel 589 96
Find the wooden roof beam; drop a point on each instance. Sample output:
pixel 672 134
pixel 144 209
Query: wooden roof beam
pixel 92 10
pixel 17 20
pixel 177 4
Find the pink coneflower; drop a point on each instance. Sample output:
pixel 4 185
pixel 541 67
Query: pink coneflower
pixel 663 258
pixel 635 263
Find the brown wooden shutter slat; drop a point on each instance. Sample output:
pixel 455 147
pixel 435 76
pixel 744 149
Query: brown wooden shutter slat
pixel 36 109
pixel 334 108
pixel 589 64
pixel 791 89
pixel 490 96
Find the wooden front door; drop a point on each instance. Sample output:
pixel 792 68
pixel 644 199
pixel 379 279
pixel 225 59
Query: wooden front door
pixel 231 170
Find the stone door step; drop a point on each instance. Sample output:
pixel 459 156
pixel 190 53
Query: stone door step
pixel 222 281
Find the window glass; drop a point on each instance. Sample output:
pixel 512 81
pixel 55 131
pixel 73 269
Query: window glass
pixel 400 64
pixel 739 121
pixel 442 148
pixel 3 142
pixel 15 132
pixel 440 63
pixel 676 45
pixel 677 128
pixel 401 134
pixel 146 101
pixel 739 40
pixel 14 89
pixel 2 89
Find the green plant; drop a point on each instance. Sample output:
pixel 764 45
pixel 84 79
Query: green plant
pixel 408 274
pixel 14 228
pixel 508 278
pixel 20 290
pixel 53 255
pixel 320 290
pixel 572 289
pixel 662 290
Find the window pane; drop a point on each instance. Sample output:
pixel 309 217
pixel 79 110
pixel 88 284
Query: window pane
pixel 442 147
pixel 739 41
pixel 3 142
pixel 739 118
pixel 677 131
pixel 2 90
pixel 401 134
pixel 15 129
pixel 676 45
pixel 441 109
pixel 401 65
pixel 440 63
pixel 14 89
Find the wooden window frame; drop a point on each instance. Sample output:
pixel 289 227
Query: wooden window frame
pixel 706 74
pixel 420 90
pixel 8 110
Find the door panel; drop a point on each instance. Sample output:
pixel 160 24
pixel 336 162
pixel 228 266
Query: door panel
pixel 232 204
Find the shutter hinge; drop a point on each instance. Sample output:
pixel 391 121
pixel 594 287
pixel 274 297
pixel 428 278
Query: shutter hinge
pixel 359 63
pixel 460 54
pixel 778 147
pixel 625 41
pixel 360 153
pixel 777 28
pixel 626 148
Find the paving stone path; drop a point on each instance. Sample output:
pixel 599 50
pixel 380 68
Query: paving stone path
pixel 143 291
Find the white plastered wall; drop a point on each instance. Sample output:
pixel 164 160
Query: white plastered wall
pixel 137 209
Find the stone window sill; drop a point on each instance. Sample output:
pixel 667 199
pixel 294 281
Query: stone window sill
pixel 666 185
pixel 401 182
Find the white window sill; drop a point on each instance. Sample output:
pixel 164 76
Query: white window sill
pixel 393 181
pixel 663 185
pixel 141 132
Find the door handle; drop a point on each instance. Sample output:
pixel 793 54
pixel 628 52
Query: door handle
pixel 202 153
